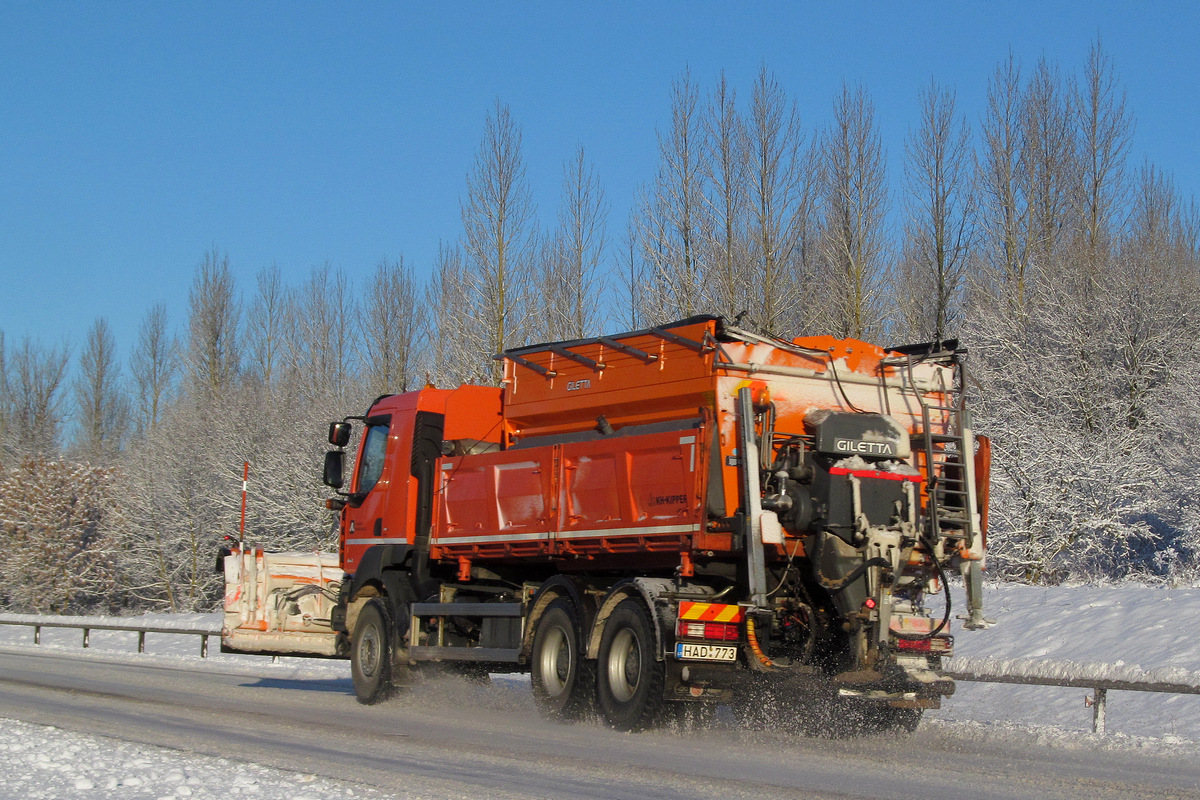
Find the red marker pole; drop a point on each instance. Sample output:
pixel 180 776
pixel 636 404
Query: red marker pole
pixel 245 480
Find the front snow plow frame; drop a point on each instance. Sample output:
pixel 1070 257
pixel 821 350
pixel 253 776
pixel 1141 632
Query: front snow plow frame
pixel 280 603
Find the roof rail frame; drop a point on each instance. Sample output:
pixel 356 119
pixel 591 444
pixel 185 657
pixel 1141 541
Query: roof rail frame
pixel 691 344
pixel 524 362
pixel 649 358
pixel 559 350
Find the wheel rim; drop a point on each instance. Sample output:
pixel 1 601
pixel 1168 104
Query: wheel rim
pixel 555 662
pixel 624 665
pixel 368 651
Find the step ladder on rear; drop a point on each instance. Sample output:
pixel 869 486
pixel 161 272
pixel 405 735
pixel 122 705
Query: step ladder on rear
pixel 945 448
pixel 945 443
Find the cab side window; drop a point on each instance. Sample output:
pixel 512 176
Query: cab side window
pixel 371 466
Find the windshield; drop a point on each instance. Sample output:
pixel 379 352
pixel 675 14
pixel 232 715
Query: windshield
pixel 373 450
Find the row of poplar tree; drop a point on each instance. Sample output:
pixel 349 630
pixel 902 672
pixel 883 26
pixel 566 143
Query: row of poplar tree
pixel 1069 271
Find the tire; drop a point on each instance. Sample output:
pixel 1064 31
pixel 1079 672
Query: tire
pixel 630 679
pixel 564 685
pixel 371 652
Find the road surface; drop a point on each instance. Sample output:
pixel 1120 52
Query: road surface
pixel 448 738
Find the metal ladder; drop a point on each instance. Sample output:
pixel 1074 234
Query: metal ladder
pixel 947 444
pixel 948 449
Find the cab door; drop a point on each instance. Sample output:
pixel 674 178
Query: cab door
pixel 364 521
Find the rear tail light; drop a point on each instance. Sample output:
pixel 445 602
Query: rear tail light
pixel 721 631
pixel 938 645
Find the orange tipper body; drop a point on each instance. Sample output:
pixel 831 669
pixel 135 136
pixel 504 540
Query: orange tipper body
pixel 643 519
pixel 562 489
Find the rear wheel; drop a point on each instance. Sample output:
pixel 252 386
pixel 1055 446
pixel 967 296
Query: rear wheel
pixel 631 679
pixel 563 687
pixel 371 653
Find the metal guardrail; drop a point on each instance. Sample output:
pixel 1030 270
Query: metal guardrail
pixel 1028 672
pixel 1031 672
pixel 38 622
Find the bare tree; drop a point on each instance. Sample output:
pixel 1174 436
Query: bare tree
pixel 1105 133
pixel 154 365
pixel 729 283
pixel 939 230
pixel 571 287
pixel 854 240
pixel 780 204
pixel 501 238
pixel 36 384
pixel 631 279
pixel 452 352
pixel 102 406
pixel 1004 203
pixel 395 318
pixel 213 354
pixel 266 326
pixel 1049 161
pixel 673 216
pixel 322 352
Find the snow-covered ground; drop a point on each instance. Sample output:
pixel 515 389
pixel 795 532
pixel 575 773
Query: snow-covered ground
pixel 43 763
pixel 1079 628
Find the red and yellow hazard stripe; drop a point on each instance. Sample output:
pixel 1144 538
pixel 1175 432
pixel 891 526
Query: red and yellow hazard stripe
pixel 710 612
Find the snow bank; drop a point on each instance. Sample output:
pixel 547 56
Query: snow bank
pixel 39 763
pixel 1085 632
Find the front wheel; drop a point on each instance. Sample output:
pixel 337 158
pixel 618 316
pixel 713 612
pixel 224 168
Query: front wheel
pixel 563 683
pixel 631 680
pixel 371 653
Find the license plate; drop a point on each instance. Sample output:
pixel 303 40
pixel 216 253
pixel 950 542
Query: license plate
pixel 706 652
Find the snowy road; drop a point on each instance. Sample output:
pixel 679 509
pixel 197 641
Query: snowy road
pixel 451 739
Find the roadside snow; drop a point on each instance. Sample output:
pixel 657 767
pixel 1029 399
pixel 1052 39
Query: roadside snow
pixel 44 763
pixel 1105 632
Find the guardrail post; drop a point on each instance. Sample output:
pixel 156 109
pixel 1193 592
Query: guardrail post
pixel 37 634
pixel 141 641
pixel 204 645
pixel 1099 710
pixel 86 636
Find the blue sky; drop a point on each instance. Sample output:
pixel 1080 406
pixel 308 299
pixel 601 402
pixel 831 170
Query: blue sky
pixel 134 136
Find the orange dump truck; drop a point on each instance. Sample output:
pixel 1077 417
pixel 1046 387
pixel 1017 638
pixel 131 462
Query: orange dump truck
pixel 690 513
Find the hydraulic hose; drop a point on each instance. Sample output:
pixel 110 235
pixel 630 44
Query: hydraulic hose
pixel 945 617
pixel 752 640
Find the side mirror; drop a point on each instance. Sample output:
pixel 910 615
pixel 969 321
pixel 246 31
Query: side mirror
pixel 333 468
pixel 339 434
